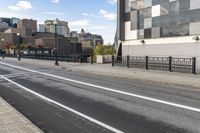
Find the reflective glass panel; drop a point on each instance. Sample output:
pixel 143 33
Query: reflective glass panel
pixel 174 7
pixel 194 4
pixel 147 33
pixel 155 33
pixel 134 21
pixel 147 23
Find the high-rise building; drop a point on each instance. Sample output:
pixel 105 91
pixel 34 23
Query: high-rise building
pixel 3 26
pixel 13 22
pixel 28 23
pixel 6 20
pixel 62 27
pixel 159 27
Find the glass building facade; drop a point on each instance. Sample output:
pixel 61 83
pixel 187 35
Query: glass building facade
pixel 145 19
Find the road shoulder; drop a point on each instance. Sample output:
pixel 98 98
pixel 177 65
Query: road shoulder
pixel 11 121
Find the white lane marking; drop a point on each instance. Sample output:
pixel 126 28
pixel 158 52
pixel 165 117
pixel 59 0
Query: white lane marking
pixel 16 74
pixel 65 107
pixel 112 90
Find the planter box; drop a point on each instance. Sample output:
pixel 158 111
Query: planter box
pixel 104 59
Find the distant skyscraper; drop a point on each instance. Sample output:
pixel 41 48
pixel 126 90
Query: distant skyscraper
pixel 14 21
pixel 41 28
pixel 28 23
pixel 62 27
pixel 6 20
pixel 3 26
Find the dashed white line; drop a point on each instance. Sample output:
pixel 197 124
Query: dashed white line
pixel 65 107
pixel 112 90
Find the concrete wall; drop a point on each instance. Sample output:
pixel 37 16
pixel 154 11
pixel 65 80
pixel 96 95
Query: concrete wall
pixel 175 47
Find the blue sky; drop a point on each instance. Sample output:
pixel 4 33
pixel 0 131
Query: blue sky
pixel 96 16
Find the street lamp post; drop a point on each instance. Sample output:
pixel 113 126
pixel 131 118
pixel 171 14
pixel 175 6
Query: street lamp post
pixel 2 49
pixel 18 43
pixel 56 44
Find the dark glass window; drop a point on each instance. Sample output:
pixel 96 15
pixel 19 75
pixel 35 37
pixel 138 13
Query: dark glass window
pixel 141 23
pixel 155 32
pixel 164 21
pixel 195 15
pixel 134 21
pixel 174 20
pixel 184 5
pixel 175 30
pixel 127 16
pixel 156 22
pixel 155 2
pixel 184 17
pixel 174 7
pixel 147 33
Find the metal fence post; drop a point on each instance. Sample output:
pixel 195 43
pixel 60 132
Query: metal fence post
pixel 128 61
pixel 74 58
pixel 194 65
pixel 113 58
pixel 147 62
pixel 81 58
pixel 170 64
pixel 92 59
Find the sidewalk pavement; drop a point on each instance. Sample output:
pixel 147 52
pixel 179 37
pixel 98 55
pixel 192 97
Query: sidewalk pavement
pixel 11 121
pixel 162 77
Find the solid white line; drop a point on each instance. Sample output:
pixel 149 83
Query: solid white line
pixel 65 107
pixel 112 90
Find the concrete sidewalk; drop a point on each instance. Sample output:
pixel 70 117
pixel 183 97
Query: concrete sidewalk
pixel 11 121
pixel 164 77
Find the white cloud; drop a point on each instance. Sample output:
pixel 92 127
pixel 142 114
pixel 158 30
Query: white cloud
pixel 53 13
pixel 112 1
pixel 107 15
pixel 85 14
pixel 55 1
pixel 21 5
pixel 79 24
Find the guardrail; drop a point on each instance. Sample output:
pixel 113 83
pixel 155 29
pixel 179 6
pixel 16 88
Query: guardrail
pixel 172 64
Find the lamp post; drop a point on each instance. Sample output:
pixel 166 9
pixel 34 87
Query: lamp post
pixel 18 43
pixel 2 49
pixel 56 44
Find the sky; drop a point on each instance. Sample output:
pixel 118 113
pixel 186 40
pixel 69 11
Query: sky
pixel 95 16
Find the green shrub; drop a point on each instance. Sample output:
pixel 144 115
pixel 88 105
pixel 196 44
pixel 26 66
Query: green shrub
pixel 104 50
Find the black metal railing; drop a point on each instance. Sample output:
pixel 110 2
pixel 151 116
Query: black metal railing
pixel 186 65
pixel 64 58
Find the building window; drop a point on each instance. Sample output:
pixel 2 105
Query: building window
pixel 194 28
pixel 147 23
pixel 155 10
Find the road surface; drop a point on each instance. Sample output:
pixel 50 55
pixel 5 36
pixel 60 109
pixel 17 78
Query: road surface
pixel 63 101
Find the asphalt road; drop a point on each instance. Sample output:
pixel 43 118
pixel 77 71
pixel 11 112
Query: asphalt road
pixel 104 110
